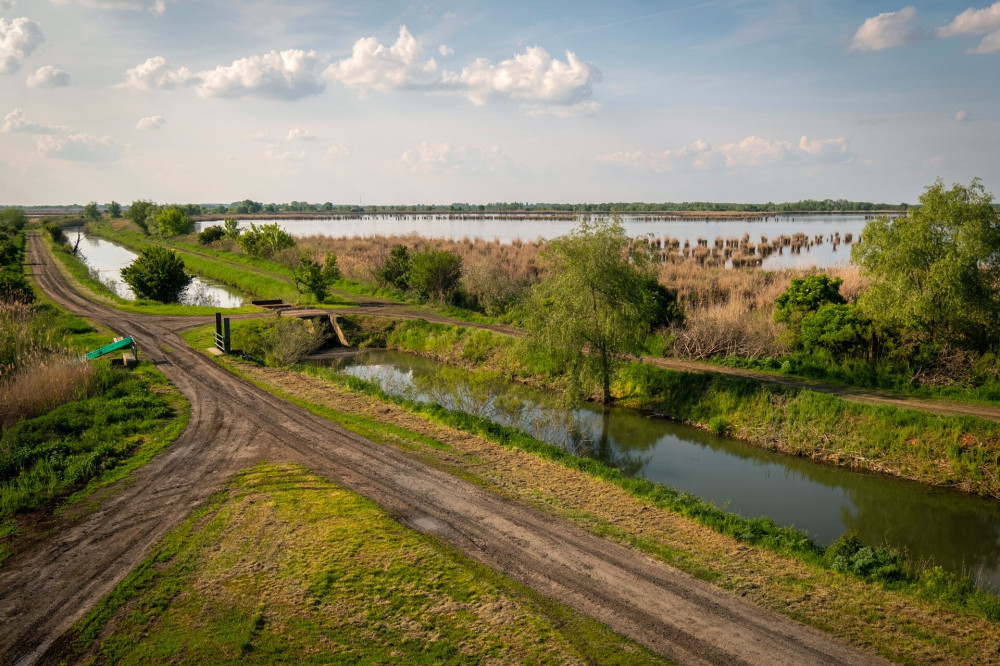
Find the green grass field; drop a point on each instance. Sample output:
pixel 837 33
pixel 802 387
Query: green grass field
pixel 285 567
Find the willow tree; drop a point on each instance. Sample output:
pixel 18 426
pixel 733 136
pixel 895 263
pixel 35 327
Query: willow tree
pixel 598 302
pixel 936 272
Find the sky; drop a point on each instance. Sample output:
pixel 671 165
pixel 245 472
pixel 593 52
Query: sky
pixel 214 101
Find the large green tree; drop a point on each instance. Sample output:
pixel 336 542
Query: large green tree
pixel 598 302
pixel 141 212
pixel 157 274
pixel 171 221
pixel 936 271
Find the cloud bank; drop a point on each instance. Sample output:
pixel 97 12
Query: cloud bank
pixel 541 83
pixel 753 151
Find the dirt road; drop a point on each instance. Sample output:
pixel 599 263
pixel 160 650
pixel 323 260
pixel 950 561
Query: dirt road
pixel 234 424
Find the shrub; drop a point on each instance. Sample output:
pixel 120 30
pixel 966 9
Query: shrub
pixel 277 342
pixel 848 555
pixel 265 241
pixel 840 330
pixel 172 222
pixel 158 274
pixel 806 295
pixel 396 269
pixel 211 234
pixel 435 274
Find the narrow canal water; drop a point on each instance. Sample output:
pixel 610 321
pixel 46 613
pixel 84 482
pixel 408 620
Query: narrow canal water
pixel 107 259
pixel 957 531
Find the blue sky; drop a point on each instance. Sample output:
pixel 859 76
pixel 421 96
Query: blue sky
pixel 396 102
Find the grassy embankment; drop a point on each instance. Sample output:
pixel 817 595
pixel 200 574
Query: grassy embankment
pixel 845 589
pixel 259 277
pixel 956 451
pixel 79 272
pixel 66 428
pixel 224 262
pixel 283 566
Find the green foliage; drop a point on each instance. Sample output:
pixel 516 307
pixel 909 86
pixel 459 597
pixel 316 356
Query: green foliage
pixel 435 274
pixel 396 269
pixel 141 212
pixel 170 221
pixel 91 212
pixel 12 220
pixel 10 250
pixel 805 296
pixel 55 232
pixel 157 274
pixel 247 206
pixel 114 210
pixel 667 311
pixel 848 555
pixel 47 456
pixel 840 330
pixel 597 302
pixel 14 288
pixel 935 271
pixel 265 241
pixel 278 341
pixel 211 234
pixel 231 226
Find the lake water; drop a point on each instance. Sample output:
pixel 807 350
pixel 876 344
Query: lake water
pixel 108 259
pixel 508 229
pixel 957 531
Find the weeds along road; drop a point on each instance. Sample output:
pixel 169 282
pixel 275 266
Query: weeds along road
pixel 233 425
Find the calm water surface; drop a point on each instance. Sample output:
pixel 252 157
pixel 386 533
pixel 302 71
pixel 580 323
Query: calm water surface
pixel 509 229
pixel 108 259
pixel 957 531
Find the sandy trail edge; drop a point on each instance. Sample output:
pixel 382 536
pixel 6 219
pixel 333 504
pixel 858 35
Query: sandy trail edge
pixel 234 424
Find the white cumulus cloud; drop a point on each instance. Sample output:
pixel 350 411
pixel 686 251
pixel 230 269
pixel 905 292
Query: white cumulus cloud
pixel 157 74
pixel 887 30
pixel 18 39
pixel 153 6
pixel 289 75
pixel 48 76
pixel 976 22
pixel 752 151
pixel 533 76
pixel 296 134
pixel 378 67
pixel 81 148
pixel 151 123
pixel 961 115
pixel 445 50
pixel 15 121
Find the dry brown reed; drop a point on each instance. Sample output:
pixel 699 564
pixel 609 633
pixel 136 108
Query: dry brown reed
pixel 728 311
pixel 36 372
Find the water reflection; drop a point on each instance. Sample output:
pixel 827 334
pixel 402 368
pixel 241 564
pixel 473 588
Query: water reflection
pixel 511 228
pixel 959 532
pixel 106 260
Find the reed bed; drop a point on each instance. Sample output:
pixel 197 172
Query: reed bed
pixel 37 373
pixel 728 311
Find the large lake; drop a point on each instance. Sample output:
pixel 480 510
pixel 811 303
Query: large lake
pixel 507 229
